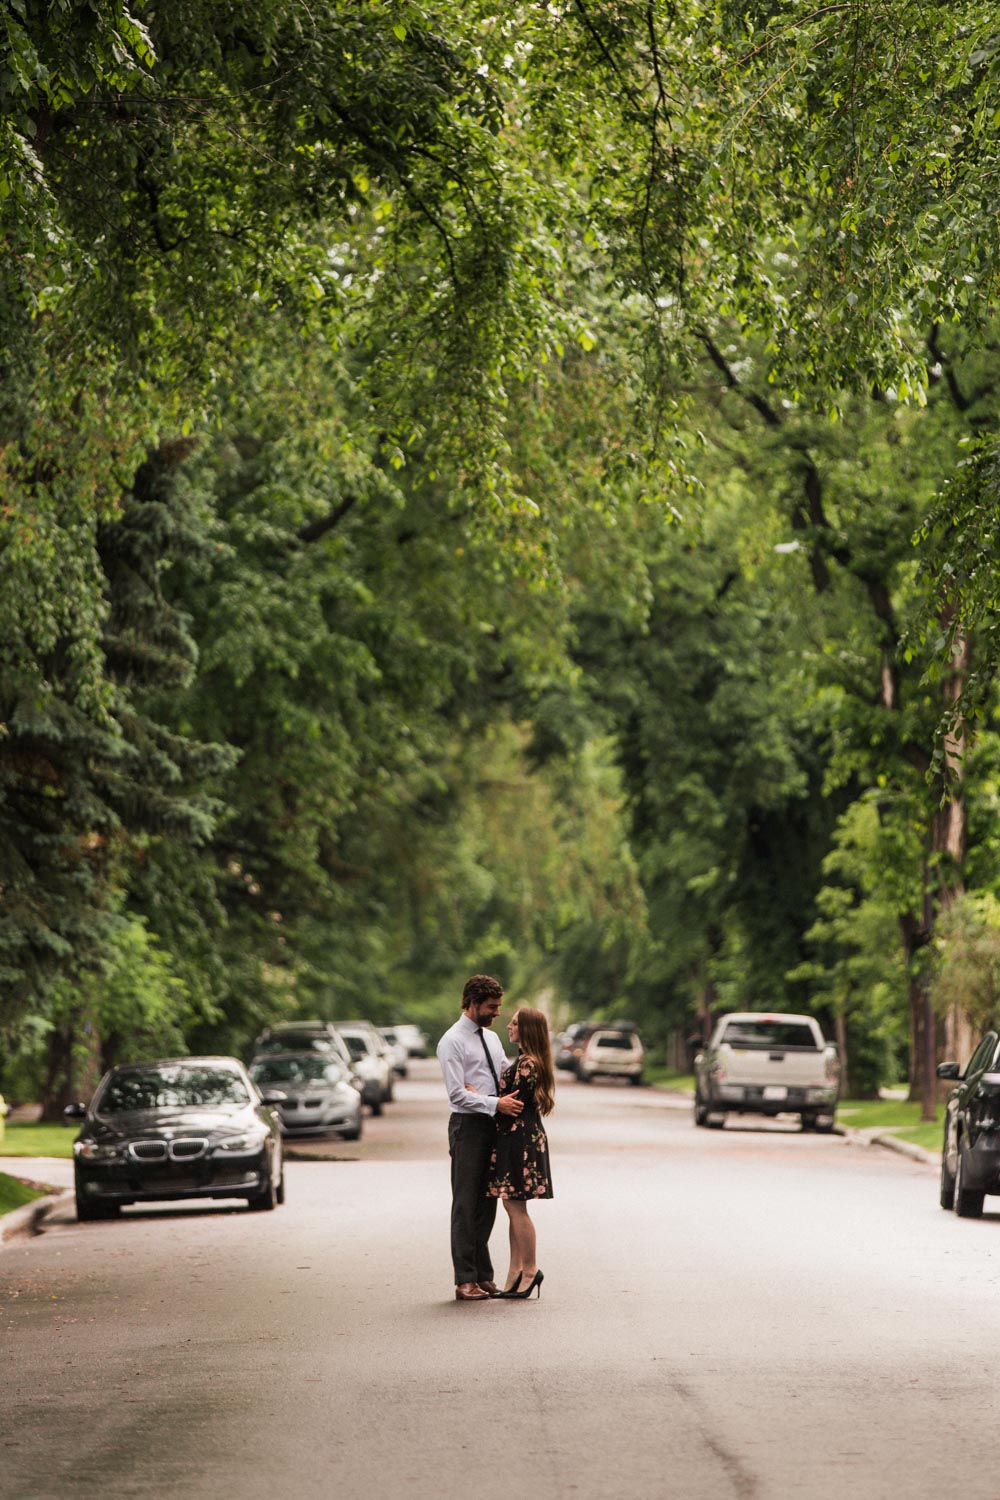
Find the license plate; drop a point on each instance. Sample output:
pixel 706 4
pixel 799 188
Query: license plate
pixel 775 1091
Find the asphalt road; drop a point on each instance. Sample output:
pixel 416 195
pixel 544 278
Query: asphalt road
pixel 750 1313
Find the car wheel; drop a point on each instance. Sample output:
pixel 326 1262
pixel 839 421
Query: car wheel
pixel 584 1076
pixel 376 1106
pixel 636 1080
pixel 389 1095
pixel 808 1122
pixel 266 1199
pixel 86 1213
pixel 352 1135
pixel 700 1114
pixel 968 1204
pixel 279 1192
pixel 947 1194
pixel 87 1210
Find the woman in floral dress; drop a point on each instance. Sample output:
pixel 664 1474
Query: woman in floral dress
pixel 519 1169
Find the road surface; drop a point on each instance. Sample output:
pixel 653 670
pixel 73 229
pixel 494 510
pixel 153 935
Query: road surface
pixel 752 1313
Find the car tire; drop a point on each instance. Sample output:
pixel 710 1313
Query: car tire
pixel 279 1192
pixel 86 1213
pixel 636 1080
pixel 946 1196
pixel 87 1210
pixel 584 1076
pixel 700 1114
pixel 352 1135
pixel 266 1199
pixel 376 1106
pixel 808 1122
pixel 968 1204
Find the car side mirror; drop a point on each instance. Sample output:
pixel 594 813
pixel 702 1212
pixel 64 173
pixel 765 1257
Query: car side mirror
pixel 75 1111
pixel 948 1070
pixel 274 1096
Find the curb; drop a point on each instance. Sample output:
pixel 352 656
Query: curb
pixel 25 1220
pixel 890 1142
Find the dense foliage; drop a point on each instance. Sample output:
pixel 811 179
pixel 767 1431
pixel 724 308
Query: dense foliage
pixel 495 489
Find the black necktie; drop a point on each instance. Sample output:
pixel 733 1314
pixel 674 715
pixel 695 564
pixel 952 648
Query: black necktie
pixel 489 1059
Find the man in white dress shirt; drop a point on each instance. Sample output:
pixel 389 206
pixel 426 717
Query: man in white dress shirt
pixel 472 1060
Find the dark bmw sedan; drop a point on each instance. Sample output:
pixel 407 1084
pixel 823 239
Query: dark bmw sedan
pixel 970 1157
pixel 189 1127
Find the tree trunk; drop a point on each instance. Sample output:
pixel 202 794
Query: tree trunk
pixel 708 997
pixel 949 838
pixel 57 1090
pixel 840 1026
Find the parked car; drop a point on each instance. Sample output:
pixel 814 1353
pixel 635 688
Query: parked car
pixel 569 1044
pixel 372 1061
pixel 188 1127
pixel 767 1064
pixel 412 1038
pixel 320 1095
pixel 400 1057
pixel 301 1036
pixel 970 1154
pixel 611 1052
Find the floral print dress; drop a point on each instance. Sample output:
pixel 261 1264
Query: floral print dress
pixel 519 1167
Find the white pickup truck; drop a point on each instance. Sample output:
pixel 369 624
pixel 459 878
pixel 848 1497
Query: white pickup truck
pixel 762 1063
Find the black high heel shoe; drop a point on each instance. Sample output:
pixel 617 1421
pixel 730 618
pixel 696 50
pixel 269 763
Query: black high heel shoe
pixel 536 1281
pixel 512 1290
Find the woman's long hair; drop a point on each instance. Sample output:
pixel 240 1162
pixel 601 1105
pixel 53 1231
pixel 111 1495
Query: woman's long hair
pixel 533 1041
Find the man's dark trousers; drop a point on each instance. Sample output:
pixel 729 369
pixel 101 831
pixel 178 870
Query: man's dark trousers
pixel 471 1139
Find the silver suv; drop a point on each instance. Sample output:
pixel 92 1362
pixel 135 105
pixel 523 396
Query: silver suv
pixel 611 1052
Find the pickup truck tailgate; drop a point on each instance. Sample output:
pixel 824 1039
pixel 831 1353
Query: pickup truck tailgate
pixel 792 1067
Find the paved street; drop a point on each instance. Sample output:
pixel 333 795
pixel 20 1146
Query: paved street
pixel 753 1314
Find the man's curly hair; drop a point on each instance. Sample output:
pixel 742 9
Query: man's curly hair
pixel 479 989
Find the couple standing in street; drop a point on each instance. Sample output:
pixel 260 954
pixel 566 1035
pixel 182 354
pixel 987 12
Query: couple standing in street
pixel 495 1138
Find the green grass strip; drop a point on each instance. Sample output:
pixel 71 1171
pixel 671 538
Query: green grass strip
pixel 38 1140
pixel 15 1194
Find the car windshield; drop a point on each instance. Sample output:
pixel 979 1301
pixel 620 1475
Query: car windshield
pixel 357 1046
pixel 769 1033
pixel 172 1088
pixel 296 1070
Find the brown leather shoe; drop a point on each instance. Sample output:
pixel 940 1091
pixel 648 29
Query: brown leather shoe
pixel 469 1292
pixel 489 1287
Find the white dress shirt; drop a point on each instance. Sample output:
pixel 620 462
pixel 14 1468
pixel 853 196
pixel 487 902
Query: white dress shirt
pixel 463 1061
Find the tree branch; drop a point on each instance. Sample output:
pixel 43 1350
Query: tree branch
pixel 319 528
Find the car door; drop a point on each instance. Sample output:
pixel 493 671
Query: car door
pixel 968 1092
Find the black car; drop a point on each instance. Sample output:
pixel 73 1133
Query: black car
pixel 188 1127
pixel 970 1157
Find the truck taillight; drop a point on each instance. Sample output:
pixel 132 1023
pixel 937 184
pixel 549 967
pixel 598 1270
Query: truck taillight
pixel 832 1067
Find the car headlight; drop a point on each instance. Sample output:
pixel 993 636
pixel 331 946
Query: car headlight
pixel 92 1151
pixel 241 1145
